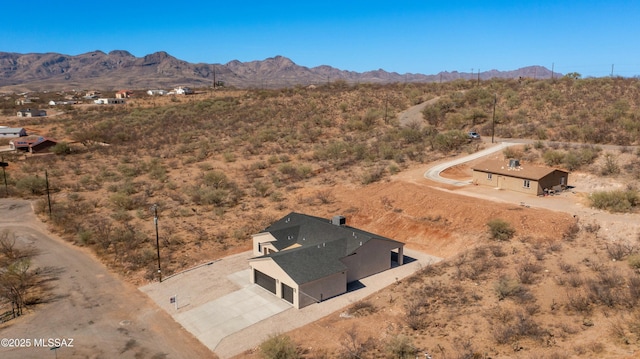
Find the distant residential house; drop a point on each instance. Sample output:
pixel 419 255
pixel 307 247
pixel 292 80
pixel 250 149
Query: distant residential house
pixel 156 92
pixel 109 101
pixel 92 94
pixel 23 101
pixel 60 103
pixel 32 144
pixel 182 90
pixel 31 113
pixel 513 176
pixel 11 132
pixel 304 259
pixel 124 94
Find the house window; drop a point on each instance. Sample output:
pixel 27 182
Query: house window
pixel 489 176
pixel 527 184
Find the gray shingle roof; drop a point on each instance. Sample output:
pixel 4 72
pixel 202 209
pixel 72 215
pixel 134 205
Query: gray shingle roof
pixel 318 245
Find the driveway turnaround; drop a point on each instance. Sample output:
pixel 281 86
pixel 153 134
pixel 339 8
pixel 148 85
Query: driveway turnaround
pixel 218 305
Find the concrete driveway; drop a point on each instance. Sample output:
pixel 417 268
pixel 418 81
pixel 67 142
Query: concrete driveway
pixel 433 173
pixel 218 305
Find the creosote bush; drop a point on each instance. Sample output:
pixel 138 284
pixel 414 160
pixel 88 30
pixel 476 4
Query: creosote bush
pixel 615 201
pixel 500 230
pixel 280 347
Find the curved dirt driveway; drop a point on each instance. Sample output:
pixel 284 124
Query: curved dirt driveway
pixel 105 317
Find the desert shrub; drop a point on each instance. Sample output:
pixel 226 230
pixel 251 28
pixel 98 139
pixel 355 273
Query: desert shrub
pixel 215 179
pixel 571 233
pixel 508 287
pixel 615 201
pixel 354 347
pixel 519 326
pixel 527 272
pixel 61 148
pixel 500 230
pixel 362 308
pixel 553 157
pixel 578 301
pixel 122 201
pixel 373 175
pixel 34 185
pixel 634 260
pixel 618 250
pixel 400 347
pixel 610 165
pixel 280 347
pixel 449 141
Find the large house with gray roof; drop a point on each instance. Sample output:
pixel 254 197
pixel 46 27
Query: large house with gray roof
pixel 305 259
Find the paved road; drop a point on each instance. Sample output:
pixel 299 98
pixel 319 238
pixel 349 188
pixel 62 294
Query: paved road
pixel 433 173
pixel 105 317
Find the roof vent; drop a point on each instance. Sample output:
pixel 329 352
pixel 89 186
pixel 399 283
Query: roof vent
pixel 339 220
pixel 514 163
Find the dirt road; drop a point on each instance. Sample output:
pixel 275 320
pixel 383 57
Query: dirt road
pixel 89 308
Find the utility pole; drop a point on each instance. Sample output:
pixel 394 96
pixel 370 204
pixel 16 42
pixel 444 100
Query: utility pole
pixel 493 123
pixel 386 106
pixel 552 64
pixel 4 164
pixel 478 77
pixel 611 70
pixel 155 221
pixel 214 77
pixel 46 179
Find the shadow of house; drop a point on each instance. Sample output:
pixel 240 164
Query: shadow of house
pixel 515 177
pixel 304 259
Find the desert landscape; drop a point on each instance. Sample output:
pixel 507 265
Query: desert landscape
pixel 223 164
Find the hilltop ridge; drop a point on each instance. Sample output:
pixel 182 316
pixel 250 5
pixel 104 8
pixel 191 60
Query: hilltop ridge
pixel 120 69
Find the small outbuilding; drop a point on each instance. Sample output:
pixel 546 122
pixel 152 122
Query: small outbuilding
pixel 304 259
pixel 12 132
pixel 513 176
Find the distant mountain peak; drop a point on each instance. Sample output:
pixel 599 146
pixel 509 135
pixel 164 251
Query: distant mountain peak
pixel 120 69
pixel 121 53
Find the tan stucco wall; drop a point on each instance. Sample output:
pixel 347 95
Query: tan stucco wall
pixel 506 182
pixel 306 294
pixel 264 239
pixel 270 268
pixel 321 289
pixel 373 257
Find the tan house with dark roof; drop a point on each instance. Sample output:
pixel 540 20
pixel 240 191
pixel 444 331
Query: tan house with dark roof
pixel 305 259
pixel 519 178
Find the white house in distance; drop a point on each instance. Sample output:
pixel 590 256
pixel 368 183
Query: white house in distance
pixel 156 92
pixel 65 102
pixel 182 90
pixel 12 132
pixel 109 101
pixel 304 259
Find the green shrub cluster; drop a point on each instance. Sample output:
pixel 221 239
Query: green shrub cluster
pixel 615 201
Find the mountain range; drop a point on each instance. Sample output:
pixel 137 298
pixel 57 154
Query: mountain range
pixel 121 70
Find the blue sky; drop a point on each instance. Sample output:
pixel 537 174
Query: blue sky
pixel 426 37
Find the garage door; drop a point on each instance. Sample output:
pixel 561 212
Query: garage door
pixel 287 293
pixel 266 282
